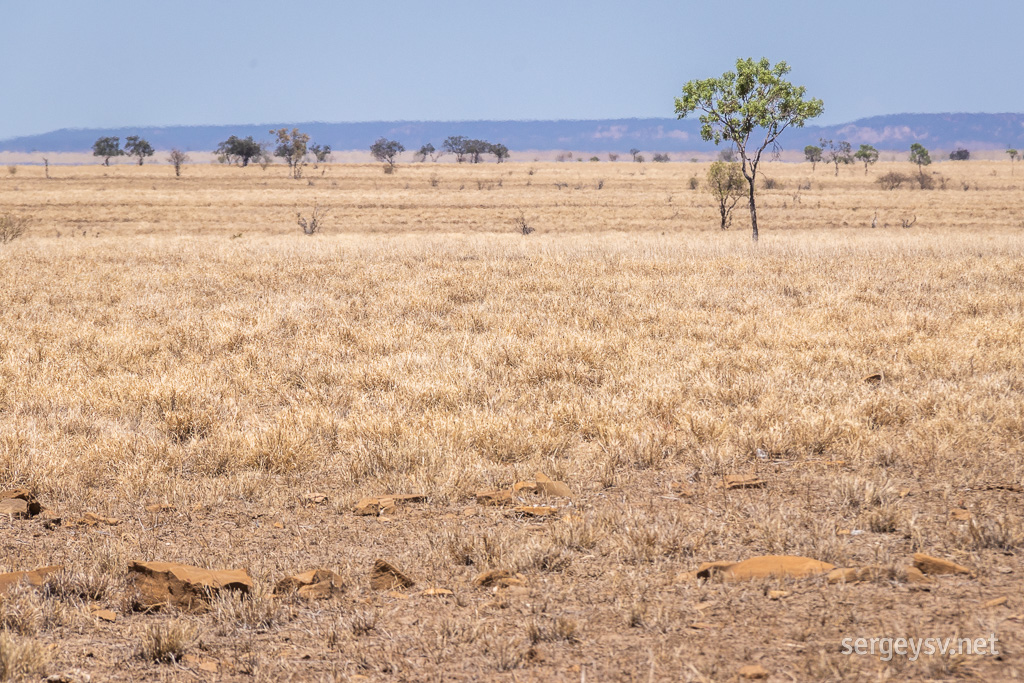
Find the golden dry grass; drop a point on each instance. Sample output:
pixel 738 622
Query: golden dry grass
pixel 182 341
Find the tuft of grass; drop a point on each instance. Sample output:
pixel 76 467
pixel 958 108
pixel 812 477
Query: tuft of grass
pixel 167 642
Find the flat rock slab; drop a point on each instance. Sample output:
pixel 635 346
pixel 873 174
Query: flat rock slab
pixel 183 586
pixel 386 576
pixel 764 567
pixel 35 578
pixel 936 565
pixel 494 497
pixel 317 584
pixel 19 503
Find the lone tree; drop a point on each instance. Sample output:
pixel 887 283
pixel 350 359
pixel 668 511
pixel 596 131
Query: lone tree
pixel 107 148
pixel 500 152
pixel 1013 157
pixel 725 183
pixel 919 155
pixel 320 152
pixel 754 97
pixel 426 150
pixel 868 155
pixel 455 144
pixel 813 155
pixel 291 146
pixel 385 151
pixel 134 146
pixel 960 154
pixel 836 154
pixel 177 157
pixel 235 150
pixel 635 152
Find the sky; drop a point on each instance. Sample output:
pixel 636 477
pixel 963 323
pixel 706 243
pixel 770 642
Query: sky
pixel 117 63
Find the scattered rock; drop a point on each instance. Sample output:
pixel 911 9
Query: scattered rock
pixel 105 615
pixel 210 666
pixel 743 481
pixel 385 505
pixel 778 595
pixel 767 566
pixel 753 671
pixel 499 578
pixel 91 519
pixel 875 378
pixel 494 497
pixel 995 602
pixel 935 565
pixel 368 507
pixel 19 503
pixel 551 488
pixel 183 586
pixel 385 576
pixel 396 595
pixel 160 507
pixel 960 514
pixel 437 593
pixel 35 578
pixel 535 510
pixel 913 575
pixel 314 499
pixel 317 584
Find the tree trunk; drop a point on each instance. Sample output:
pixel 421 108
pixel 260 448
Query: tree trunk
pixel 753 207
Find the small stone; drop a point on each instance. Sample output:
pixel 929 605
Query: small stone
pixel 875 378
pixel 316 584
pixel 499 578
pixel 702 626
pixel 183 586
pixel 35 578
pixel 92 519
pixel 494 497
pixel 105 615
pixel 385 576
pixel 960 514
pixel 160 507
pixel 528 486
pixel 551 488
pixel 367 507
pixel 313 499
pixel 278 525
pixel 935 565
pixel 397 596
pixel 742 481
pixel 437 593
pixel 684 489
pixel 767 566
pixel 753 672
pixel 913 575
pixel 778 595
pixel 16 507
pixel 708 569
pixel 995 602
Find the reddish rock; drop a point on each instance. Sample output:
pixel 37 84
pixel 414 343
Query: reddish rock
pixel 753 672
pixel 317 584
pixel 535 510
pixel 551 488
pixel 936 565
pixel 494 497
pixel 385 576
pixel 19 503
pixel 35 578
pixel 166 583
pixel 767 566
pixel 743 481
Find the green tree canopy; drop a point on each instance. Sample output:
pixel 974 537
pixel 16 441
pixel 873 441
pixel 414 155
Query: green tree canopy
pixel 868 155
pixel 107 148
pixel 813 154
pixel 919 155
pixel 134 146
pixel 235 150
pixel 725 183
pixel 754 98
pixel 385 150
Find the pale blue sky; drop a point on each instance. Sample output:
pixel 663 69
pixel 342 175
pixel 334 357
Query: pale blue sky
pixel 75 63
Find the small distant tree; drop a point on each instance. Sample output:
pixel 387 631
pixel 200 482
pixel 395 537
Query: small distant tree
pixel 321 153
pixel 728 155
pixel 455 144
pixel 1013 157
pixel 868 155
pixel 385 151
pixel 235 150
pixel 134 146
pixel 292 147
pixel 612 156
pixel 177 157
pixel 107 148
pixel 475 149
pixel 661 158
pixel 813 154
pixel 426 150
pixel 635 152
pixel 725 183
pixel 919 155
pixel 836 154
pixel 500 152
pixel 960 154
pixel 756 97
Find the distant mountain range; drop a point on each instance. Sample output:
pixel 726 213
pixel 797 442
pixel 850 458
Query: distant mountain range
pixel 891 132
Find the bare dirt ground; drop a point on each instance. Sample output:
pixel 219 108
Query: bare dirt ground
pixel 186 377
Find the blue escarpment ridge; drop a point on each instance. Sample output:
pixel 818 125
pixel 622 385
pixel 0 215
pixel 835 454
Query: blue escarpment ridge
pixel 889 132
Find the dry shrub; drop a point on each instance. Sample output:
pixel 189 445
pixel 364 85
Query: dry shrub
pixel 21 658
pixel 12 226
pixel 168 642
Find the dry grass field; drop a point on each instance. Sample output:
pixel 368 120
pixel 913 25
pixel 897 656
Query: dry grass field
pixel 186 377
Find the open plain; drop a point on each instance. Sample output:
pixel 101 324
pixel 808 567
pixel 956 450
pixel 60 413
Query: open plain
pixel 186 377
